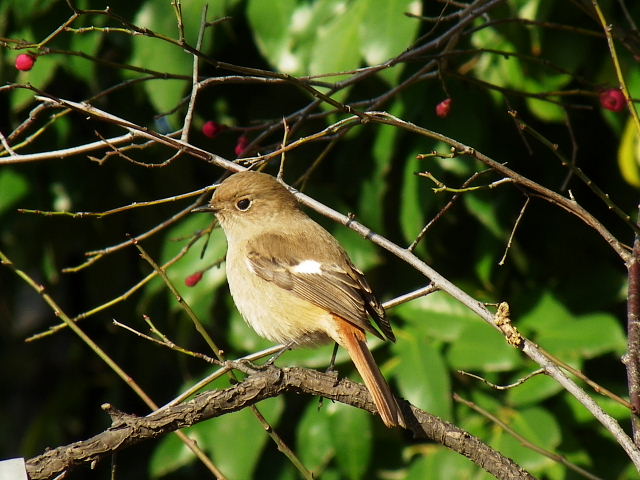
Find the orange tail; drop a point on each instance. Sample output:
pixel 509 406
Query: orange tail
pixel 354 340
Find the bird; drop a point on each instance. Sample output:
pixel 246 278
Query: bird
pixel 292 281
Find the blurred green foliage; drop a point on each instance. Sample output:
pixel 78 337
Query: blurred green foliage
pixel 566 288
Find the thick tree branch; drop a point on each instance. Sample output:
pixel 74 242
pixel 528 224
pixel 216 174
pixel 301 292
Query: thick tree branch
pixel 266 382
pixel 632 357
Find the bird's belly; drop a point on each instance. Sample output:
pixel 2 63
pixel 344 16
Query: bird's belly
pixel 278 314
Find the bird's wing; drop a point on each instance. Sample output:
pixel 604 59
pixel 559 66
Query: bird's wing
pixel 329 281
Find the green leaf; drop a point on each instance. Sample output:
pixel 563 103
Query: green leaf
pixel 438 315
pixel 236 440
pixel 439 462
pixel 582 415
pixel 629 154
pixel 27 10
pixel 286 31
pixel 546 111
pixel 13 187
pixel 533 391
pixel 315 444
pixel 586 337
pixel 163 94
pixel 171 454
pixel 352 437
pixel 386 32
pixel 201 296
pixel 486 263
pixel 39 76
pixel 336 46
pixel 363 253
pixel 535 425
pixel 481 347
pixel 222 438
pixel 500 70
pixel 156 54
pixel 416 194
pixel 546 314
pixel 88 43
pixel 422 374
pixel 573 336
pixel 485 210
pixel 271 26
pixel 374 187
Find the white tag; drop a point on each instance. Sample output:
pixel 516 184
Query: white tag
pixel 13 469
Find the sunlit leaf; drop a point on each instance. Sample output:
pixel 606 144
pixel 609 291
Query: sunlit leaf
pixel 201 296
pixel 573 336
pixel 629 154
pixel 336 46
pixel 533 391
pixel 438 315
pixel 272 28
pixel 481 347
pixel 422 374
pixel 162 56
pixel 538 427
pixel 386 32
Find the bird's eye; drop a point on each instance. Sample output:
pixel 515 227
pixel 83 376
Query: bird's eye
pixel 243 204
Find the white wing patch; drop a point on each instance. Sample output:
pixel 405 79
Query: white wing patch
pixel 307 266
pixel 250 266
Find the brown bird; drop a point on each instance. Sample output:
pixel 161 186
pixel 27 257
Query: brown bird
pixel 293 282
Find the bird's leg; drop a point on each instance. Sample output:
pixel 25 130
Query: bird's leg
pixel 331 369
pixel 332 364
pixel 277 355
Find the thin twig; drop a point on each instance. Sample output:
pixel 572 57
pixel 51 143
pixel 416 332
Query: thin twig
pixel 194 318
pixel 283 157
pixel 596 386
pixel 616 64
pixel 115 300
pixel 524 441
pixel 535 189
pixel 577 171
pixel 443 210
pixel 513 231
pixel 125 208
pixel 164 341
pixel 504 387
pixel 529 348
pixel 282 446
pixel 40 289
pixel 195 85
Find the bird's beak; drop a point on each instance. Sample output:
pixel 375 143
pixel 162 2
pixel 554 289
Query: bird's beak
pixel 204 209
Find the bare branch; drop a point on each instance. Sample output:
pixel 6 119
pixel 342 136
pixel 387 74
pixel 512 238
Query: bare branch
pixel 127 430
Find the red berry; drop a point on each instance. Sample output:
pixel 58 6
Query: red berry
pixel 192 280
pixel 211 129
pixel 24 62
pixel 443 108
pixel 613 99
pixel 241 144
